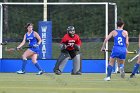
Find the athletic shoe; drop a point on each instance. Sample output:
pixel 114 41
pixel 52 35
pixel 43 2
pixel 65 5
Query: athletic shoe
pixel 20 72
pixel 57 72
pixel 122 73
pixel 107 79
pixel 77 73
pixel 40 72
pixel 132 76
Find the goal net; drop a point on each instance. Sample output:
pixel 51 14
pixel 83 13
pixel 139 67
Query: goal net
pixel 91 20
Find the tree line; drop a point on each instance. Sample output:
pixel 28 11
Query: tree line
pixel 89 21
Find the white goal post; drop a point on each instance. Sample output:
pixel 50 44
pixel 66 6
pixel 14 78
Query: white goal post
pixel 1 21
pixel 106 4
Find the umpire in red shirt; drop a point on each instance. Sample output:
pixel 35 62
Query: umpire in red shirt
pixel 70 47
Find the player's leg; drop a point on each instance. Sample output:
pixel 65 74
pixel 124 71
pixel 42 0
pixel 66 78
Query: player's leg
pixel 76 65
pixel 113 55
pixel 121 67
pixel 121 60
pixel 109 69
pixel 63 63
pixel 34 60
pixel 25 55
pixel 75 55
pixel 136 67
pixel 62 60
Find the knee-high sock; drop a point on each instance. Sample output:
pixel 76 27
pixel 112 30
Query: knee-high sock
pixel 121 65
pixel 23 65
pixel 37 66
pixel 135 69
pixel 109 70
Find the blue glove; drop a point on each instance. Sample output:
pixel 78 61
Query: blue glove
pixel 139 50
pixel 35 45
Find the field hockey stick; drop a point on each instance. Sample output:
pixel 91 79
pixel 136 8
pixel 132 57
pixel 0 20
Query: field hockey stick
pixel 106 50
pixel 4 43
pixel 15 49
pixel 132 52
pixel 129 52
pixel 130 60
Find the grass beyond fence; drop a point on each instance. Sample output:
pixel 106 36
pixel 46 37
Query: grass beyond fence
pixel 89 50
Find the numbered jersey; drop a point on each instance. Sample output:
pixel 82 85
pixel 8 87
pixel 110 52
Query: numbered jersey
pixel 70 41
pixel 119 48
pixel 119 39
pixel 32 41
pixel 31 38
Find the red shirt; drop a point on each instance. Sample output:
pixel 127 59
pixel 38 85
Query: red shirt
pixel 70 41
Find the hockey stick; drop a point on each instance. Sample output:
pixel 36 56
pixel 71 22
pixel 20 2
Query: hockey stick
pixel 130 60
pixel 15 49
pixel 4 43
pixel 106 50
pixel 129 52
pixel 132 52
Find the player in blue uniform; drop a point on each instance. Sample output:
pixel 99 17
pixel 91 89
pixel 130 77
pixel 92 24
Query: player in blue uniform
pixel 119 49
pixel 33 50
pixel 136 66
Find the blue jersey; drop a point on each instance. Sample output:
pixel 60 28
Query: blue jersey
pixel 119 48
pixel 119 39
pixel 31 38
pixel 32 41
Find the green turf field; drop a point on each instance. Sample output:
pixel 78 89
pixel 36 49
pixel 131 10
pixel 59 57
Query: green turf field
pixel 66 83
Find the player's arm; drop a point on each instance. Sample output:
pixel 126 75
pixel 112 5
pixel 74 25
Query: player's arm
pixel 125 33
pixel 38 38
pixel 127 39
pixel 63 45
pixel 106 40
pixel 22 43
pixel 78 44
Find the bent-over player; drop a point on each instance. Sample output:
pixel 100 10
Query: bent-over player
pixel 70 46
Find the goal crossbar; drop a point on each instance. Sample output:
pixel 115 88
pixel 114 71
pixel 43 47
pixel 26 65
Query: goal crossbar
pixel 58 3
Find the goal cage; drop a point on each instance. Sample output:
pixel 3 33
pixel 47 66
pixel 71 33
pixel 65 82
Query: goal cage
pixel 92 21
